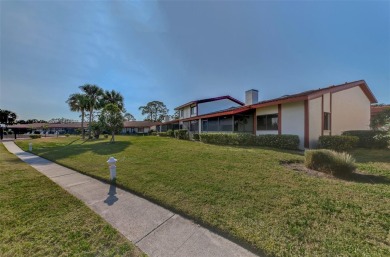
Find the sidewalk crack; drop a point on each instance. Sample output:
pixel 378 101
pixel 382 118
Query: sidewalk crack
pixel 155 228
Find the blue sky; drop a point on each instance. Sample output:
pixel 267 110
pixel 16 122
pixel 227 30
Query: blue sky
pixel 178 51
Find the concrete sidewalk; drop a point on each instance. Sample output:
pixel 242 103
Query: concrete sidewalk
pixel 155 230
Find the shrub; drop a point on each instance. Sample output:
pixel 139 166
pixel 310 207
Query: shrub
pixel 370 138
pixel 163 134
pixel 170 133
pixel 181 134
pixel 67 135
pixel 338 143
pixel 330 162
pixel 105 135
pixel 153 133
pixel 196 136
pixel 34 136
pixel 276 141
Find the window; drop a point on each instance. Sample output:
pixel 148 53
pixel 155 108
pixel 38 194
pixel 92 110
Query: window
pixel 193 110
pixel 181 113
pixel 326 120
pixel 204 125
pixel 267 122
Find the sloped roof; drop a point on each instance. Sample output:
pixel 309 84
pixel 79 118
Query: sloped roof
pixel 49 125
pixel 306 95
pixel 311 94
pixel 139 124
pixel 126 124
pixel 211 100
pixel 379 108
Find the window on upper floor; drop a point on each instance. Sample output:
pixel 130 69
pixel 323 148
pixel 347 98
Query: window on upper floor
pixel 193 110
pixel 326 120
pixel 267 122
pixel 181 113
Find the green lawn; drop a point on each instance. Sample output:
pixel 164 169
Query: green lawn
pixel 246 192
pixel 38 218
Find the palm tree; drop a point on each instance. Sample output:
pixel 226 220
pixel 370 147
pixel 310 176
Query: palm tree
pixel 94 94
pixel 79 103
pixel 113 97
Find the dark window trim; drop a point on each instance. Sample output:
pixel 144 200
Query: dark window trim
pixel 268 127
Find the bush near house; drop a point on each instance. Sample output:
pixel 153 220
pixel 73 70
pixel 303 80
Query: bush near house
pixel 276 141
pixel 181 134
pixel 370 138
pixel 196 137
pixel 338 143
pixel 330 162
pixel 153 133
pixel 163 134
pixel 170 133
pixel 34 136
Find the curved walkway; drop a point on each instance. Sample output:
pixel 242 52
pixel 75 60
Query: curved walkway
pixel 155 230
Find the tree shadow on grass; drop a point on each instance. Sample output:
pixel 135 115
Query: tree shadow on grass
pixel 357 177
pixel 365 178
pixel 371 155
pixel 100 148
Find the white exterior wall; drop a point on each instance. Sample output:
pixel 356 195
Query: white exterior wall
pixel 215 106
pixel 315 121
pixel 293 120
pixel 350 111
pixel 264 111
pixel 186 112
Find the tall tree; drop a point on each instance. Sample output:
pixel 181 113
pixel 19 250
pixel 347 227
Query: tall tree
pixel 129 117
pixel 94 94
pixel 79 103
pixel 7 117
pixel 154 111
pixel 113 97
pixel 111 119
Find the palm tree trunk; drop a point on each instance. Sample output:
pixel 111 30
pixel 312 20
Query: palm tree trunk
pixel 82 124
pixel 90 124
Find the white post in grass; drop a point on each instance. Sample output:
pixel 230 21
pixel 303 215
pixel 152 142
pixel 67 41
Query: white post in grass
pixel 111 162
pixel 30 147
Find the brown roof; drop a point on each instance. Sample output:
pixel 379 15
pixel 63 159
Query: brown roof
pixel 126 124
pixel 211 100
pixel 140 124
pixel 306 95
pixel 311 94
pixel 375 109
pixel 49 125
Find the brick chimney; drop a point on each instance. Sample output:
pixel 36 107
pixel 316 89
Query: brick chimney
pixel 251 96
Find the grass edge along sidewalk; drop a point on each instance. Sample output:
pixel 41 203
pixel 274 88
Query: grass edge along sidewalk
pixel 245 191
pixel 40 218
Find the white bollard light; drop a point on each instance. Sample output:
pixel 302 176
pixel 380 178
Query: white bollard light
pixel 30 147
pixel 111 162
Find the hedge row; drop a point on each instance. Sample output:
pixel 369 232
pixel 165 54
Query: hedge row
pixel 338 143
pixel 328 161
pixel 34 136
pixel 370 138
pixel 181 134
pixel 276 141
